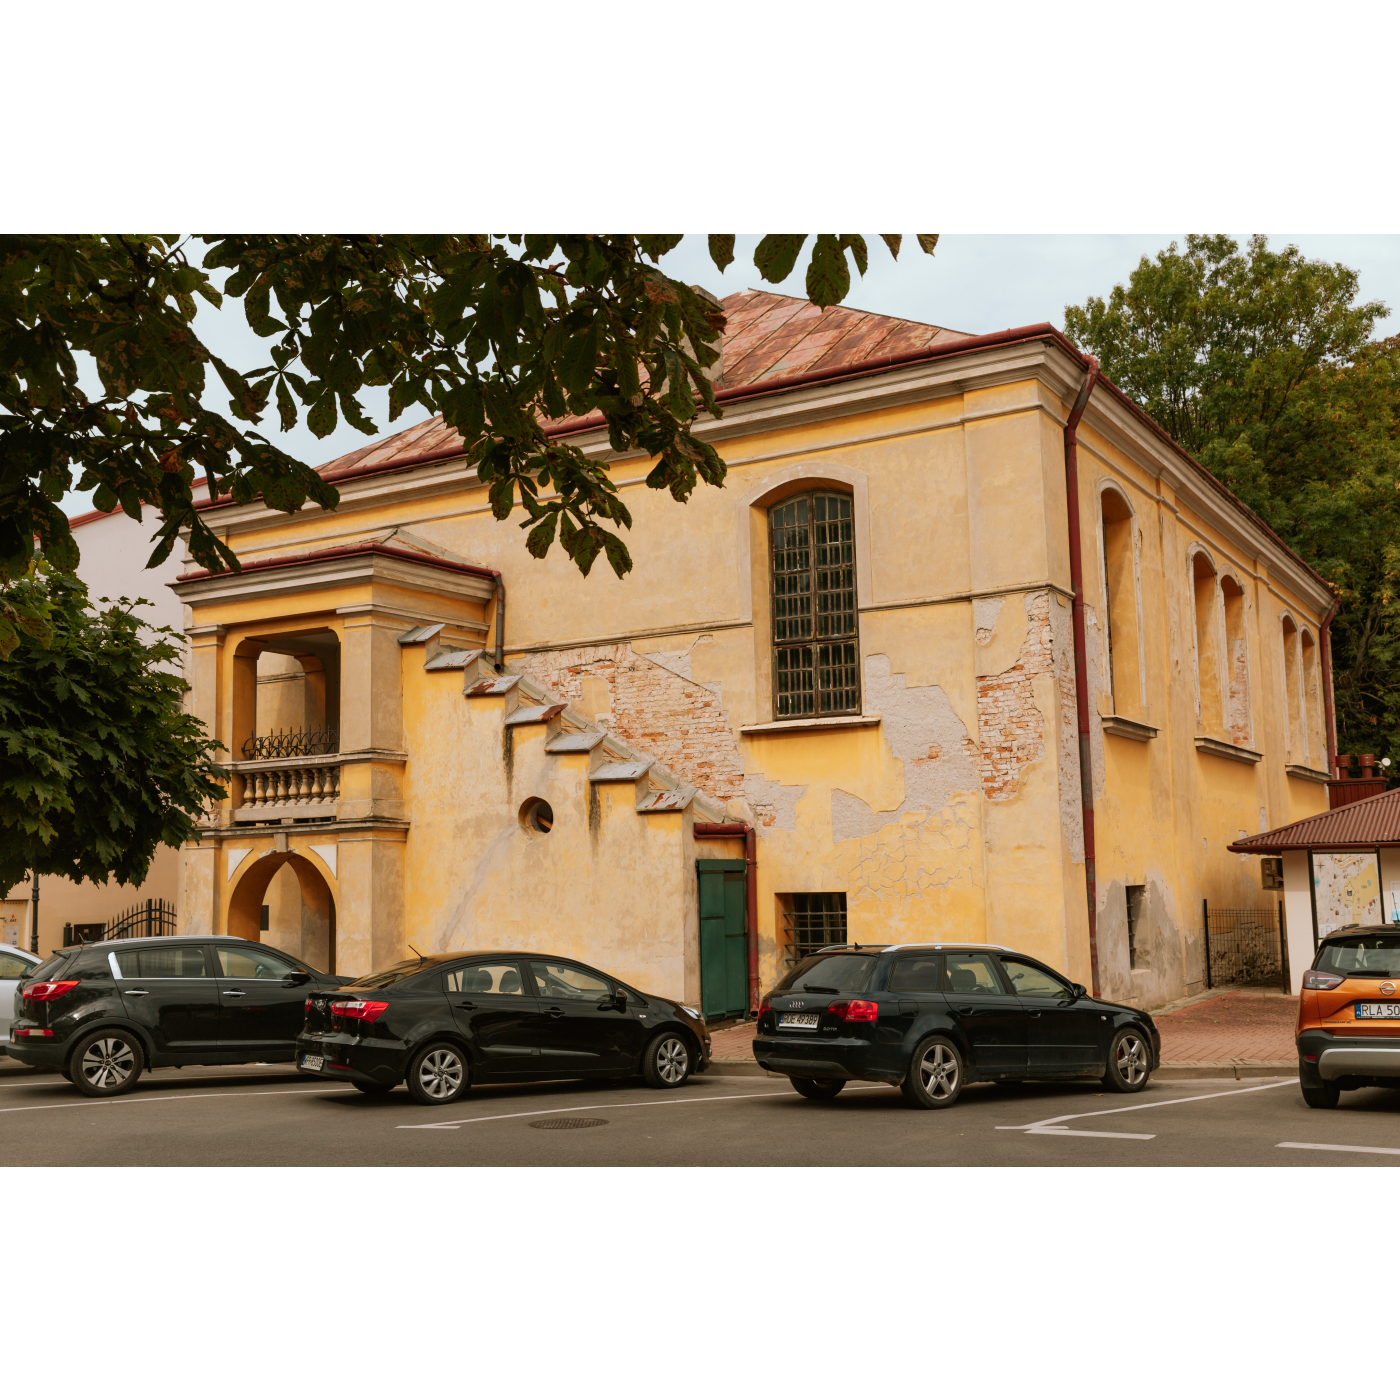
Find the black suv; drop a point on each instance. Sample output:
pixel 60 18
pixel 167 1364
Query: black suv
pixel 447 1021
pixel 100 1013
pixel 933 1017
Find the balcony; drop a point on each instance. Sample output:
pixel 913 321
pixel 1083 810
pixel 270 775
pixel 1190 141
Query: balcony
pixel 288 776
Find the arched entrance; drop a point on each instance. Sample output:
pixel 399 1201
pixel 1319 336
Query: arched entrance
pixel 304 920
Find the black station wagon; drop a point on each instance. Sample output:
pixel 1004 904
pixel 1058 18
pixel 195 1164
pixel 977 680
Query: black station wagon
pixel 934 1017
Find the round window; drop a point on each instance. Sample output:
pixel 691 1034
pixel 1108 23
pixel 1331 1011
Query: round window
pixel 537 816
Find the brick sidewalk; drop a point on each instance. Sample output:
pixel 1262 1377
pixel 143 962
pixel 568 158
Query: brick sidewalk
pixel 1229 1026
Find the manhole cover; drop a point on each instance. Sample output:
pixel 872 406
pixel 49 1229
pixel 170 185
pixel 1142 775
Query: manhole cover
pixel 569 1123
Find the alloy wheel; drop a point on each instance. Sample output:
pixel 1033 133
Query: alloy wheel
pixel 938 1073
pixel 107 1063
pixel 1132 1060
pixel 672 1060
pixel 440 1074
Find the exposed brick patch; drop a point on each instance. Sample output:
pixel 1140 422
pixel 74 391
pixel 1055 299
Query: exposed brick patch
pixel 679 723
pixel 1239 694
pixel 1010 727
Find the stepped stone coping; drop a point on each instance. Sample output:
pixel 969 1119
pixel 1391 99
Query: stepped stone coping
pixel 451 661
pixel 500 685
pixel 575 743
pixel 421 634
pixel 667 801
pixel 534 714
pixel 620 772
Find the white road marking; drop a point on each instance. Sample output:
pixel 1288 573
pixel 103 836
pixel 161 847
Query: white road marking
pixel 1084 1132
pixel 170 1098
pixel 1132 1107
pixel 1337 1147
pixel 643 1103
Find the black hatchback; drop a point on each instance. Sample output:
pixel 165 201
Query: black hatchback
pixel 934 1017
pixel 100 1013
pixel 445 1022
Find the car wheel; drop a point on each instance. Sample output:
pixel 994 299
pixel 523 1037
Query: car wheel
pixel 376 1089
pixel 106 1063
pixel 818 1088
pixel 666 1061
pixel 1321 1095
pixel 1129 1062
pixel 438 1074
pixel 935 1077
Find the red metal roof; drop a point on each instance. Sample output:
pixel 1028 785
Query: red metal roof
pixel 768 336
pixel 1364 825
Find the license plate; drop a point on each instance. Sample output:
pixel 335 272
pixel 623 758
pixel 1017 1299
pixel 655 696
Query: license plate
pixel 802 1020
pixel 1378 1010
pixel 312 1061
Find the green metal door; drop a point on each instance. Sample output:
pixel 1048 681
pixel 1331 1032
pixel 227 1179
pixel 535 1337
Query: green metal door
pixel 723 947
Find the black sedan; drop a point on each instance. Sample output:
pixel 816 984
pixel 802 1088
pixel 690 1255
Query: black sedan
pixel 934 1017
pixel 445 1022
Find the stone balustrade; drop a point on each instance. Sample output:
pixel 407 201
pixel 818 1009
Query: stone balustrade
pixel 288 787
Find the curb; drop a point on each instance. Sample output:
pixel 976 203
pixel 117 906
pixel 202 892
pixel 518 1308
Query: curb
pixel 1214 1069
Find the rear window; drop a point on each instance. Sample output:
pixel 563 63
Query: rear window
pixel 1362 955
pixel 46 969
pixel 399 972
pixel 830 972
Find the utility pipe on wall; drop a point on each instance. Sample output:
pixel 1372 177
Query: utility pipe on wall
pixel 500 623
pixel 713 830
pixel 1081 660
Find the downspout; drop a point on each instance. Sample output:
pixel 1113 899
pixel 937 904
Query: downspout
pixel 1329 699
pixel 500 622
pixel 712 830
pixel 1081 661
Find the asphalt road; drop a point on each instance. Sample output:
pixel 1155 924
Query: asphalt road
pixel 270 1116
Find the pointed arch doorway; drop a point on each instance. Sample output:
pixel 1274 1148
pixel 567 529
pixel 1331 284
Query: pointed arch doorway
pixel 285 900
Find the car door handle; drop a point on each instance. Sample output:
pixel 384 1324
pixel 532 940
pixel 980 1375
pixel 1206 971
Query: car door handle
pixel 234 992
pixel 556 1010
pixel 965 1010
pixel 135 992
pixel 1033 1013
pixel 467 1005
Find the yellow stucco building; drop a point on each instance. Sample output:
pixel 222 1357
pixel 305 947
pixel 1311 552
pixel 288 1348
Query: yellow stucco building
pixel 862 648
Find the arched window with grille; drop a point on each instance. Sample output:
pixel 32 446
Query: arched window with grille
pixel 816 644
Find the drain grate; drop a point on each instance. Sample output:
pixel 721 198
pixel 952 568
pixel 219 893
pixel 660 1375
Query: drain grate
pixel 569 1123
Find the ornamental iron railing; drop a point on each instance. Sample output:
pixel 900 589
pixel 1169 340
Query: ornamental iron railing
pixel 153 918
pixel 292 743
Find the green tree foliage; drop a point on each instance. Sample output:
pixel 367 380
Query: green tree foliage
pixel 99 764
pixel 1261 365
pixel 498 333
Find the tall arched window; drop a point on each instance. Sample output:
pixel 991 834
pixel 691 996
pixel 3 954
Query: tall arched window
pixel 1312 701
pixel 1120 604
pixel 1293 687
pixel 1208 668
pixel 816 647
pixel 1237 716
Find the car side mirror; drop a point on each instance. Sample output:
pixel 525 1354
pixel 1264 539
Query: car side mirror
pixel 1078 989
pixel 620 999
pixel 296 979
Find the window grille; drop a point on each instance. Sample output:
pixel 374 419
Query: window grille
pixel 812 922
pixel 816 649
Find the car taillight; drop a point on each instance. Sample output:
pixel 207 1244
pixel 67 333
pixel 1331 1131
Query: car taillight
pixel 855 1010
pixel 48 991
pixel 1322 981
pixel 765 1006
pixel 360 1010
pixel 307 1007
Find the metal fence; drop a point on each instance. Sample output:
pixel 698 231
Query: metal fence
pixel 153 919
pixel 1245 947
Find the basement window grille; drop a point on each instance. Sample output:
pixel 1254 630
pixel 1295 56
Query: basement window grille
pixel 816 647
pixel 812 922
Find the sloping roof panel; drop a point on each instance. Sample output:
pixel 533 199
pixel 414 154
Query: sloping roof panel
pixel 1374 821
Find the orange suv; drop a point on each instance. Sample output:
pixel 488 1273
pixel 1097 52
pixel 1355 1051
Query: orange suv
pixel 1349 1015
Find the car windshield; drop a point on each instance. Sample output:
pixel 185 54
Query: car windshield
pixel 378 980
pixel 829 972
pixel 1362 955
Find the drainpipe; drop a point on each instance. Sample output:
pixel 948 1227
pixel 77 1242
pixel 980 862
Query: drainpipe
pixel 1329 699
pixel 712 830
pixel 1081 661
pixel 500 622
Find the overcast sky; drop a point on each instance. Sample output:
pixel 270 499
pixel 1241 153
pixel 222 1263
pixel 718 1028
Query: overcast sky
pixel 975 283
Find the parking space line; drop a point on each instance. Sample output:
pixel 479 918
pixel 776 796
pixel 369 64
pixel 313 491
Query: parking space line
pixel 1133 1107
pixel 1337 1147
pixel 1054 1131
pixel 171 1098
pixel 644 1103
